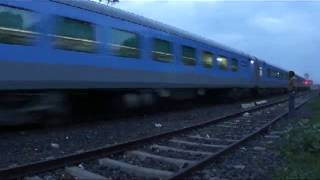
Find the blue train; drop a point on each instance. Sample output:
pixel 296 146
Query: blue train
pixel 51 49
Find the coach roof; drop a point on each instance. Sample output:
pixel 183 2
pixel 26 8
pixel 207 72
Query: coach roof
pixel 131 17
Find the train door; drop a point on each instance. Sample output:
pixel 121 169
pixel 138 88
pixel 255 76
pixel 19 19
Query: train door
pixel 258 71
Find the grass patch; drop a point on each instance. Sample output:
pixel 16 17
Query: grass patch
pixel 302 148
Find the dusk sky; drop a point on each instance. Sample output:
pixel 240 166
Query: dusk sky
pixel 283 33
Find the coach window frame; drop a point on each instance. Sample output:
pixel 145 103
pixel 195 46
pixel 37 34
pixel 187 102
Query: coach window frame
pixel 159 55
pixel 64 39
pixel 224 63
pixel 234 65
pixel 203 60
pixel 188 55
pixel 32 34
pixel 137 46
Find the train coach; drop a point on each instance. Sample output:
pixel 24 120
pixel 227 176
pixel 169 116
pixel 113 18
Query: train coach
pixel 56 51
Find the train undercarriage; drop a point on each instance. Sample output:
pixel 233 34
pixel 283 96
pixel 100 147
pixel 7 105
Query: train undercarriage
pixel 56 106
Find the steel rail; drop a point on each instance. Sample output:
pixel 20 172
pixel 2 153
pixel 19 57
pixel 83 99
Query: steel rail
pixel 185 172
pixel 47 165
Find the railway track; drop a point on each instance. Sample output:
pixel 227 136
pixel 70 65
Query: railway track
pixel 170 155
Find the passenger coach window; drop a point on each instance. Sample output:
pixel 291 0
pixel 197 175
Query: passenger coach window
pixel 17 26
pixel 207 59
pixel 124 43
pixel 222 62
pixel 74 35
pixel 162 50
pixel 234 65
pixel 188 55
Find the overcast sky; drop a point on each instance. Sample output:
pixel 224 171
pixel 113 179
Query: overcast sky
pixel 286 33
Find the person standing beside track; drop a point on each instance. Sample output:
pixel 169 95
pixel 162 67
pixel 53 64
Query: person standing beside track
pixel 292 91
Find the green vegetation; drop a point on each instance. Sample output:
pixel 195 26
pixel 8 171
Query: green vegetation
pixel 302 148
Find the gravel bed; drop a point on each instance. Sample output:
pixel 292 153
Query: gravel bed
pixel 39 144
pixel 208 141
pixel 223 133
pixel 58 174
pixel 91 166
pixel 231 163
pixel 190 147
pixel 251 160
pixel 174 154
pixel 110 172
pixel 147 162
pixel 150 163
